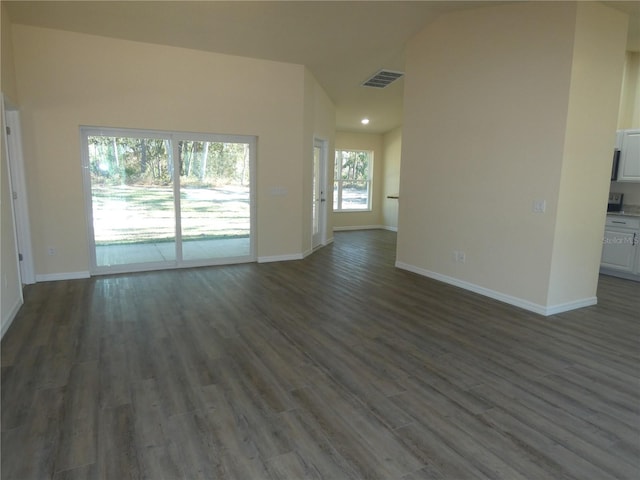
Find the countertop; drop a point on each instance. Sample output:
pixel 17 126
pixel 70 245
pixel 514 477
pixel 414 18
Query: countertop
pixel 628 211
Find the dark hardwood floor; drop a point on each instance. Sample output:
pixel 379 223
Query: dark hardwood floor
pixel 338 366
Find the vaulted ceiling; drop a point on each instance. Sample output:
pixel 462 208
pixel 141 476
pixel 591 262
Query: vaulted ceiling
pixel 341 42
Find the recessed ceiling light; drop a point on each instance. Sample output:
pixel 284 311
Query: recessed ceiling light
pixel 364 121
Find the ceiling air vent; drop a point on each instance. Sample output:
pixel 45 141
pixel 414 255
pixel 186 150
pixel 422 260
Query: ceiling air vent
pixel 382 78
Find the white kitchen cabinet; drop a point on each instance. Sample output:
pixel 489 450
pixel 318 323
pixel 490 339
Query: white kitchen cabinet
pixel 629 168
pixel 618 251
pixel 620 245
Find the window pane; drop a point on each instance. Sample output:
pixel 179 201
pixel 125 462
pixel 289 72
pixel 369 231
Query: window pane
pixel 215 199
pixel 355 195
pixel 353 180
pixel 132 200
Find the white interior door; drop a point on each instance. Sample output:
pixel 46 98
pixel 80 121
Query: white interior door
pixel 19 195
pixel 319 193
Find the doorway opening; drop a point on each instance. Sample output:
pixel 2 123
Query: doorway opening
pixel 319 211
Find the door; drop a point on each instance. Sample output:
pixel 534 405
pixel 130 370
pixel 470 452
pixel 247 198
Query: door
pixel 215 199
pixel 19 194
pixel 158 200
pixel 131 200
pixel 318 215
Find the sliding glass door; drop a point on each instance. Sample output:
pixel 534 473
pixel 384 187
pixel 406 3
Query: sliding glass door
pixel 215 199
pixel 131 200
pixel 163 200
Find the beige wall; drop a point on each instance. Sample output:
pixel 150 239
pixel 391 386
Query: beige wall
pixel 598 60
pixel 629 114
pixel 371 142
pixel 483 137
pixel 66 80
pixel 7 73
pixel 392 146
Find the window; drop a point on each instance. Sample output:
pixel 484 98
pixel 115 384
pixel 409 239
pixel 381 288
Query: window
pixel 352 180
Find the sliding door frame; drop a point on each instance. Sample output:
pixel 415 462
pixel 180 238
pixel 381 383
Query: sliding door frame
pixel 174 138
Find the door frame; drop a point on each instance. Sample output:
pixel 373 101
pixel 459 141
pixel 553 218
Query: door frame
pixel 320 239
pixel 19 199
pixel 174 137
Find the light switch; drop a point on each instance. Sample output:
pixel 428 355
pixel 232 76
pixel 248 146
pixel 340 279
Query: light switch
pixel 539 206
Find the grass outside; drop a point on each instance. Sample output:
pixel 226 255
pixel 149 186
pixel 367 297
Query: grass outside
pixel 130 214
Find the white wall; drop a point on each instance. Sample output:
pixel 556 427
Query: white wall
pixel 484 129
pixel 67 79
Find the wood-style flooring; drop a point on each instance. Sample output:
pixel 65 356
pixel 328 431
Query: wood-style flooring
pixel 338 366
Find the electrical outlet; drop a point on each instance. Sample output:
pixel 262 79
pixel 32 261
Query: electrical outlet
pixel 459 256
pixel 51 251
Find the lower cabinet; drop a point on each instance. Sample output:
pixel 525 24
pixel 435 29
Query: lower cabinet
pixel 620 250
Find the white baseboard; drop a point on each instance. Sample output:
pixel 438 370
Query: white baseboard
pixel 6 322
pixel 294 256
pixel 565 307
pixel 502 297
pixel 358 227
pixel 53 277
pixel 281 258
pixel 365 227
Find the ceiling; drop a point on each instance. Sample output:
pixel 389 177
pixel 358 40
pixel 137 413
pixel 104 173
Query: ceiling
pixel 341 42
